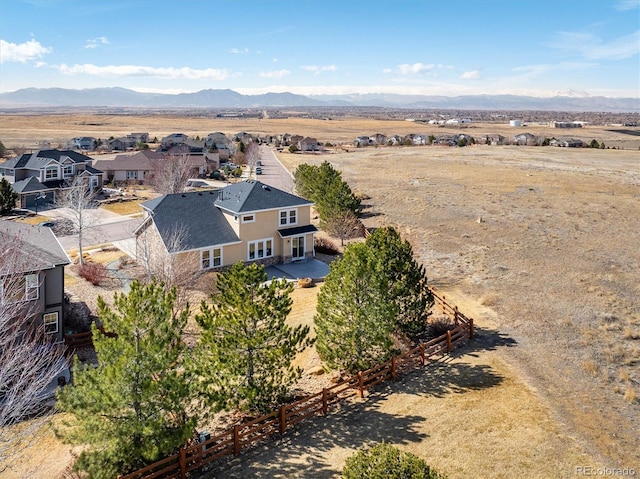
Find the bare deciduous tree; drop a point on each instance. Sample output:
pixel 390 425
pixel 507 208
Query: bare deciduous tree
pixel 252 155
pixel 78 198
pixel 344 225
pixel 29 362
pixel 170 174
pixel 160 259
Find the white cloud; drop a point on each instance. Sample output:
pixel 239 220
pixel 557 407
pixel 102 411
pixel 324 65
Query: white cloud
pixel 94 42
pixel 21 52
pixel 416 69
pixel 594 48
pixel 317 69
pixel 275 74
pixel 627 4
pixel 239 50
pixel 470 75
pixel 172 73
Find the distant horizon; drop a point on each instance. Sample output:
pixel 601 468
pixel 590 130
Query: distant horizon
pixel 262 91
pixel 540 48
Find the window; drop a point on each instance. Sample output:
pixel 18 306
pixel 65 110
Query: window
pixel 50 323
pixel 25 288
pixel 211 258
pixel 132 175
pixel 94 182
pixel 248 218
pixel 31 287
pixel 260 249
pixel 288 217
pixel 51 173
pixel 67 171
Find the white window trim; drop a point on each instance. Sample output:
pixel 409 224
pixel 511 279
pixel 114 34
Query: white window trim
pixel 57 322
pixel 65 174
pixel 256 244
pixel 51 168
pixel 212 258
pixel 132 174
pixel 252 218
pixel 288 221
pixel 34 286
pixel 29 286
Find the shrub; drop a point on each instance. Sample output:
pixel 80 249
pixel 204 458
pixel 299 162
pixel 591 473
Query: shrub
pixel 385 461
pixel 325 246
pixel 95 273
pixel 439 326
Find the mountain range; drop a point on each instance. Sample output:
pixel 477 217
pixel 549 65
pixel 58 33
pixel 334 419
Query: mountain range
pixel 122 97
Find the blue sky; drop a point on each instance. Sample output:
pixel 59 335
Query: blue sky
pixel 434 47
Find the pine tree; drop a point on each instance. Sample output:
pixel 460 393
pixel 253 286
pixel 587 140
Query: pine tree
pixel 8 197
pixel 407 281
pixel 131 409
pixel 355 314
pixel 247 349
pixel 375 291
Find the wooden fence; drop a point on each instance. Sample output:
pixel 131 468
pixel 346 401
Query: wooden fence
pixel 234 439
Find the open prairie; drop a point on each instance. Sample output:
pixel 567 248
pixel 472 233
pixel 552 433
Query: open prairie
pixel 541 245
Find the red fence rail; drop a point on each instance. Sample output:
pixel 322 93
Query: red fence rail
pixel 234 439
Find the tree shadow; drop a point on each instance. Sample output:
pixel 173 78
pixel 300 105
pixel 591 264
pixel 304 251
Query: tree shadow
pixel 306 449
pixel 310 449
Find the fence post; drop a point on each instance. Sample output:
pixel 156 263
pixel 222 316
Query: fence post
pixel 455 315
pixel 422 353
pixel 471 332
pixel 236 439
pixel 444 303
pixel 393 368
pixel 360 385
pixel 448 340
pixel 183 463
pixel 283 419
pixel 325 401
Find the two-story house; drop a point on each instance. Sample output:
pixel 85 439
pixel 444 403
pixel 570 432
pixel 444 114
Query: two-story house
pixel 34 278
pixel 247 221
pixel 37 176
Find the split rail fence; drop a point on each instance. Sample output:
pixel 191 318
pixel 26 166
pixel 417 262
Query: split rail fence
pixel 233 440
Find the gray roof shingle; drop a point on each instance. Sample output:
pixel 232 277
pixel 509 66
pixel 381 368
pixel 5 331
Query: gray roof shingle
pixel 196 215
pixel 40 246
pixel 250 195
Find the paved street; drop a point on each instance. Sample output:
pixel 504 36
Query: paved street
pixel 273 173
pixel 103 233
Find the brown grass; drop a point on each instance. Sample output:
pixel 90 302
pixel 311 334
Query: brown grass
pixel 554 259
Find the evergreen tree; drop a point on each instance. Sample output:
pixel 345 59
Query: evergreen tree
pixel 324 186
pixel 247 349
pixel 8 197
pixel 407 281
pixel 131 409
pixel 384 461
pixel 3 150
pixel 376 289
pixel 355 314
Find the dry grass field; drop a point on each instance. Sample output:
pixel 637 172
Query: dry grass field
pixel 540 245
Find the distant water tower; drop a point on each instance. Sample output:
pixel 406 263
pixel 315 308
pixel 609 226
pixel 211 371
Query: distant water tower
pixel 515 123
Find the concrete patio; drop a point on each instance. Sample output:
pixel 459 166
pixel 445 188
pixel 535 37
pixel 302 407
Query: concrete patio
pixel 309 268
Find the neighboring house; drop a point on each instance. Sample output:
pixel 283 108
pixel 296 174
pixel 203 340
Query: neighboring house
pixel 44 172
pixel 173 139
pixel 39 276
pixel 122 143
pixel 247 221
pixel 136 167
pixel 308 144
pixel 378 139
pixel 85 143
pixel 567 143
pixel 361 141
pixel 527 139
